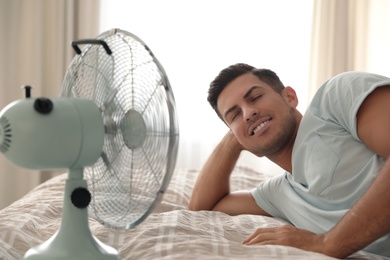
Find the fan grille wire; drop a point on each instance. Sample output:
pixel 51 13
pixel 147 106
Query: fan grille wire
pixel 126 181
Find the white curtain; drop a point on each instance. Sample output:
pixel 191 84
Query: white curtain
pixel 193 41
pixel 349 35
pixel 378 37
pixel 35 50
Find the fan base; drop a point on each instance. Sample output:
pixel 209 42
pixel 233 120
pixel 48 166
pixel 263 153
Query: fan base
pixel 94 251
pixel 74 239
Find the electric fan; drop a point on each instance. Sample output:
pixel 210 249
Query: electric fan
pixel 114 127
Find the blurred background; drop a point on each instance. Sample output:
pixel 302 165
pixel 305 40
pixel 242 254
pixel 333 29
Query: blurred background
pixel 304 41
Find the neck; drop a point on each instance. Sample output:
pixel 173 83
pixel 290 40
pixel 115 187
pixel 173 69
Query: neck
pixel 284 157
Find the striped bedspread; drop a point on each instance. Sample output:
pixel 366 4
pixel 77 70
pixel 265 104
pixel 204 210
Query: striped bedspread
pixel 170 232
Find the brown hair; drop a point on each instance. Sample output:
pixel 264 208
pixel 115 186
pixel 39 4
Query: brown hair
pixel 230 73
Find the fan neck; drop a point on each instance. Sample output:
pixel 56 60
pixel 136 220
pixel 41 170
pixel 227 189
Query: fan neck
pixel 76 174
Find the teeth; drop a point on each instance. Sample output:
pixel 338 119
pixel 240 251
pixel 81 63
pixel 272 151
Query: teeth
pixel 260 126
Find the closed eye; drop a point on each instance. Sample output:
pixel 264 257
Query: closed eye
pixel 234 116
pixel 256 97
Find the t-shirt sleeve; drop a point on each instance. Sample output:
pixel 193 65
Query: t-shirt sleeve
pixel 267 192
pixel 343 95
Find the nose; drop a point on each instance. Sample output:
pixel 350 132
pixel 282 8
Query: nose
pixel 249 113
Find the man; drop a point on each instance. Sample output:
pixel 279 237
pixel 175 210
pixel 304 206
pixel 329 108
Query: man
pixel 336 189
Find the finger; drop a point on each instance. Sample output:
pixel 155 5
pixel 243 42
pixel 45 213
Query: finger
pixel 259 236
pixel 260 240
pixel 253 235
pixel 250 238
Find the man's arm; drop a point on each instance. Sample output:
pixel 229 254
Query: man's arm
pixel 369 218
pixel 212 188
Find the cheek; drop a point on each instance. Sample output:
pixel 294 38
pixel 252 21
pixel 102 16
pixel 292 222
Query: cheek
pixel 238 131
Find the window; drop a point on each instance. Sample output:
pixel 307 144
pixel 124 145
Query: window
pixel 194 40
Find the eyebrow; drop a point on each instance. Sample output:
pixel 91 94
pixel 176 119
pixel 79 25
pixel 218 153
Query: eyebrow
pixel 247 94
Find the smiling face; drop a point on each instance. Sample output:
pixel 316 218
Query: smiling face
pixel 262 120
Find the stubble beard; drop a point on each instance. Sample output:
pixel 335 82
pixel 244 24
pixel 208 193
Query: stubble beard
pixel 280 140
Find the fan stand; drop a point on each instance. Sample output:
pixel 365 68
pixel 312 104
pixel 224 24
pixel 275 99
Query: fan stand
pixel 74 239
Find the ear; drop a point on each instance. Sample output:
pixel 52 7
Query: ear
pixel 289 95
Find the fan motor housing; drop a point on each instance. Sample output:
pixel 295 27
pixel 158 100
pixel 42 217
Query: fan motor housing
pixel 5 134
pixel 70 135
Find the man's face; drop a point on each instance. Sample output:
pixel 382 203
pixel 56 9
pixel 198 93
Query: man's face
pixel 261 119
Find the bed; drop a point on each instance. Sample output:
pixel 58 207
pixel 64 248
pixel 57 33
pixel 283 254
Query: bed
pixel 170 232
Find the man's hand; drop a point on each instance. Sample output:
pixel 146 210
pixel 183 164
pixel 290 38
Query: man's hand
pixel 287 235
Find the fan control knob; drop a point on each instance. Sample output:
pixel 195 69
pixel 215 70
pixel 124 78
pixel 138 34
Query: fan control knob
pixel 43 105
pixel 80 197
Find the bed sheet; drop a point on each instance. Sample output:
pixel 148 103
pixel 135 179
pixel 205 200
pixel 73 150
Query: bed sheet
pixel 170 232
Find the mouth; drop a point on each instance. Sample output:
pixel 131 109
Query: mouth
pixel 259 127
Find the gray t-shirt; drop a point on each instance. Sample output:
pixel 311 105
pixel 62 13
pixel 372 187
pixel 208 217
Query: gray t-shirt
pixel 332 168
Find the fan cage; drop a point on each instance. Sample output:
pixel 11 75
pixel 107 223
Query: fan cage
pixel 137 160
